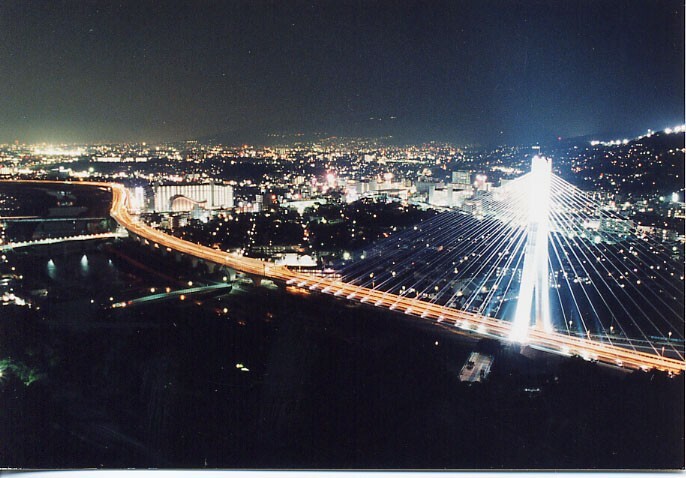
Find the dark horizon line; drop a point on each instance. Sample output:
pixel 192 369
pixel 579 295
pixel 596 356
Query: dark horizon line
pixel 292 138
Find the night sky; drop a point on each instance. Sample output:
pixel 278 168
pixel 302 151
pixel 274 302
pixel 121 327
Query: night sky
pixel 473 71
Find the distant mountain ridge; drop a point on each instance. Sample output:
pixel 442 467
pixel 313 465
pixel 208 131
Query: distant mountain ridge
pixel 393 131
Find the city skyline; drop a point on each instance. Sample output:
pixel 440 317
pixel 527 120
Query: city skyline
pixel 492 73
pixel 352 234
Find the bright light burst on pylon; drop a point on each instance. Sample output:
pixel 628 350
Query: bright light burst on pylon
pixel 534 289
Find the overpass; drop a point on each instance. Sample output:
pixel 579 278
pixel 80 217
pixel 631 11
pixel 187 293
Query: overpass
pixel 462 321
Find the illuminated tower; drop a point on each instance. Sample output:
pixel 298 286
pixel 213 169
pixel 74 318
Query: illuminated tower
pixel 533 289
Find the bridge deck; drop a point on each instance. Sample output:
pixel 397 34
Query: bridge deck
pixel 57 240
pixel 555 342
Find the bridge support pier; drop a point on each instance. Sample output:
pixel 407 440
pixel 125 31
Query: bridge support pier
pixel 256 280
pixel 230 274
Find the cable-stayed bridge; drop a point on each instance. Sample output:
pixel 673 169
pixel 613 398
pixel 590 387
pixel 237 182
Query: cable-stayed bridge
pixel 538 251
pixel 536 262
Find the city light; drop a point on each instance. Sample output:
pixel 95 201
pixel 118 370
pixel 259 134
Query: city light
pixel 676 129
pixel 58 151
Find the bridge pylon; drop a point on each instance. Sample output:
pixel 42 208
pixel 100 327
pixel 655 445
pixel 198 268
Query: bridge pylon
pixel 534 289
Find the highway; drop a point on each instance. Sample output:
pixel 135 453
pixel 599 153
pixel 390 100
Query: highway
pixel 486 326
pixel 554 342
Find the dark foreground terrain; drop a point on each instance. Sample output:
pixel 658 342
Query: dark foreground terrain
pixel 286 380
